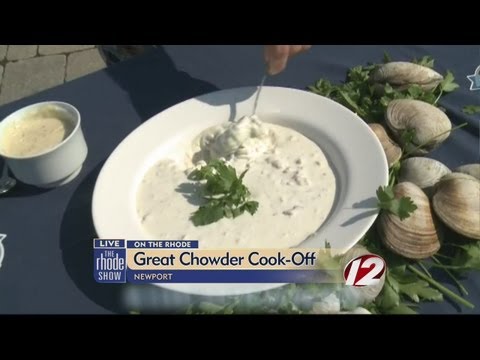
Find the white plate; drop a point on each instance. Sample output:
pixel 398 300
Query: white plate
pixel 352 149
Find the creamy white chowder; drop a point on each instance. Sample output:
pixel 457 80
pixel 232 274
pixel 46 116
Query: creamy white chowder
pixel 288 174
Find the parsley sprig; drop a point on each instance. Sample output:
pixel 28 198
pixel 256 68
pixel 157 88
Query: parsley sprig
pixel 471 109
pixel 224 192
pixel 402 207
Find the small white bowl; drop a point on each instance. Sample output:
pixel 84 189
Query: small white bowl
pixel 56 165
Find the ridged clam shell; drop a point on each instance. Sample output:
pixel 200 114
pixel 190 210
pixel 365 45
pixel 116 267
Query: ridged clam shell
pixel 416 237
pixel 423 172
pixel 401 74
pixel 430 124
pixel 392 151
pixel 470 169
pixel 457 203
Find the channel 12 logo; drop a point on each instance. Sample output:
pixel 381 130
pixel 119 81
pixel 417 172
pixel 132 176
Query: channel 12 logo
pixel 364 270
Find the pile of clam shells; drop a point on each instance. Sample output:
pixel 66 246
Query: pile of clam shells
pixel 443 197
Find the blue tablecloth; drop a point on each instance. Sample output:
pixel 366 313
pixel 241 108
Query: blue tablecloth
pixel 48 261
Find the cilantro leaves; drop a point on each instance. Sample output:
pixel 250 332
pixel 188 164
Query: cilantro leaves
pixel 426 61
pixel 471 109
pixel 468 256
pixel 224 192
pixel 401 207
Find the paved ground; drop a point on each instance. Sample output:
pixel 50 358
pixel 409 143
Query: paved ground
pixel 27 69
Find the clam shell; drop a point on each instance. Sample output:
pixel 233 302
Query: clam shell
pixel 457 203
pixel 470 169
pixel 391 149
pixel 328 305
pixel 416 237
pixel 401 74
pixel 423 172
pixel 357 311
pixel 430 123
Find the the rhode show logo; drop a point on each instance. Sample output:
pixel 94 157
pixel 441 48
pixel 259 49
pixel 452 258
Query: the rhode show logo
pixel 475 79
pixel 109 265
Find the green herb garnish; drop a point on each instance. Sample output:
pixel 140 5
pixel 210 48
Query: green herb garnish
pixel 402 207
pixel 224 192
pixel 426 61
pixel 471 109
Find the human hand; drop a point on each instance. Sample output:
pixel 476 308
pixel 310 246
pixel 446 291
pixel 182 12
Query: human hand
pixel 276 56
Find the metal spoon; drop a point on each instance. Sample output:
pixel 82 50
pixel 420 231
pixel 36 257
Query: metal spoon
pixel 6 182
pixel 259 90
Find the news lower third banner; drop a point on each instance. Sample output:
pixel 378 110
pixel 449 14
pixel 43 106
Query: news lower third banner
pixel 160 261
